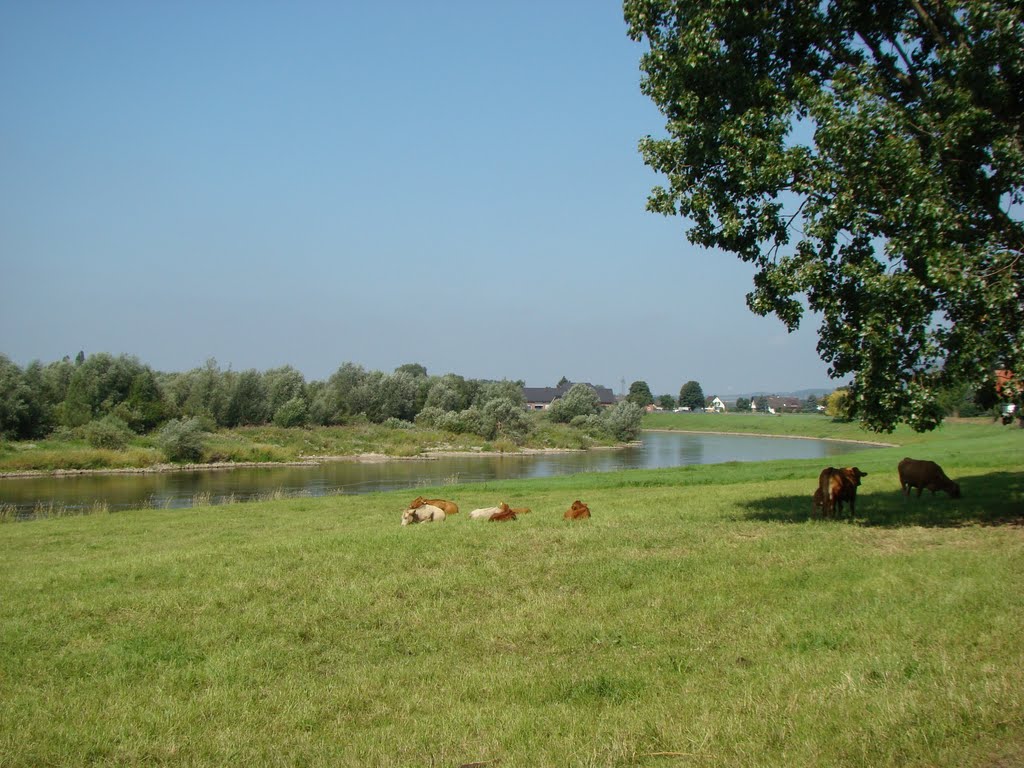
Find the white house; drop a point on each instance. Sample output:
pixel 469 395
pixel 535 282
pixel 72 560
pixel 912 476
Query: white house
pixel 715 404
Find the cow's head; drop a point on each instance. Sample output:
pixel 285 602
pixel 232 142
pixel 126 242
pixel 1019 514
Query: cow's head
pixel 855 474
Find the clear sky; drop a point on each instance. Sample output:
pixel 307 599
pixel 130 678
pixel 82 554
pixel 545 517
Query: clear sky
pixel 455 184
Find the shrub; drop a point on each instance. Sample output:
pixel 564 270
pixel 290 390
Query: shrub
pixel 623 421
pixel 110 432
pixel 592 425
pixel 181 440
pixel 580 400
pixel 393 423
pixel 431 416
pixel 292 413
pixel 508 417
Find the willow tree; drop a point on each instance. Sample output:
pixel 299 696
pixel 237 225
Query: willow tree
pixel 867 157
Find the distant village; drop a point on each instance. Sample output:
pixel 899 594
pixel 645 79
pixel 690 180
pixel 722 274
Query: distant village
pixel 541 398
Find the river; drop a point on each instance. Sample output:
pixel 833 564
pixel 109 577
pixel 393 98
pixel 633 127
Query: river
pixel 183 489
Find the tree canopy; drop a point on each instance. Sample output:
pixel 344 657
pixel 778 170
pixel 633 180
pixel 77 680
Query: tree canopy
pixel 867 157
pixel 691 396
pixel 640 393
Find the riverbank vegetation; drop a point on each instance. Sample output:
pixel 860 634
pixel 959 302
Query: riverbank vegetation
pixel 700 618
pixel 103 411
pixel 268 444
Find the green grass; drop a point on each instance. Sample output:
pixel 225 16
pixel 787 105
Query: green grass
pixel 700 619
pixel 795 424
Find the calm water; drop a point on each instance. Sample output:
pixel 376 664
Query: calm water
pixel 178 489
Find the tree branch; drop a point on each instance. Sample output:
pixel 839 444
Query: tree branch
pixel 927 20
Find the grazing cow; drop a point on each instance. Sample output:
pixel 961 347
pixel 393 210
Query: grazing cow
pixel 485 513
pixel 920 474
pixel 449 507
pixel 428 513
pixel 500 517
pixel 836 486
pixel 578 511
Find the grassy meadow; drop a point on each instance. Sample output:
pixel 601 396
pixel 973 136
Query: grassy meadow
pixel 699 619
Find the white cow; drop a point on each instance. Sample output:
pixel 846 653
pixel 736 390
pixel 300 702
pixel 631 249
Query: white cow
pixel 428 513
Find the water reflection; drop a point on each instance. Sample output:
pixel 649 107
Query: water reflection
pixel 180 489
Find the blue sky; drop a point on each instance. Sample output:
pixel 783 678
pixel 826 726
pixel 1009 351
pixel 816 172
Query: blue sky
pixel 455 184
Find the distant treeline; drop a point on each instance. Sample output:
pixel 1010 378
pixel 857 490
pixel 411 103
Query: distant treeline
pixel 121 390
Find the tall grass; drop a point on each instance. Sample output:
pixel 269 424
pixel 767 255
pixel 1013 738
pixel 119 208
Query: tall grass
pixel 701 618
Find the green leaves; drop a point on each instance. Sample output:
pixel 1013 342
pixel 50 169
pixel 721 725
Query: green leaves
pixel 866 157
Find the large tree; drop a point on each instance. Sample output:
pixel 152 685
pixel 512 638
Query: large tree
pixel 691 396
pixel 640 393
pixel 867 156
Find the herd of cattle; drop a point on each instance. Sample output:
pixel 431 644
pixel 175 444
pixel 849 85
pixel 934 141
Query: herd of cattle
pixel 423 510
pixel 836 486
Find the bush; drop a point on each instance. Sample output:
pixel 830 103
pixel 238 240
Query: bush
pixel 508 417
pixel 181 440
pixel 592 425
pixel 393 423
pixel 292 413
pixel 623 421
pixel 430 417
pixel 580 400
pixel 110 432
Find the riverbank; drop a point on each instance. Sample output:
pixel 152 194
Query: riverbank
pixel 276 446
pixel 303 461
pixel 699 613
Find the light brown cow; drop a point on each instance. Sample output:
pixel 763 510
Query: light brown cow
pixel 838 485
pixel 578 511
pixel 427 513
pixel 449 507
pixel 486 513
pixel 922 474
pixel 520 510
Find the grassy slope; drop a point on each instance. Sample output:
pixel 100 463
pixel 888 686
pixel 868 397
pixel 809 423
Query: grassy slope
pixel 699 619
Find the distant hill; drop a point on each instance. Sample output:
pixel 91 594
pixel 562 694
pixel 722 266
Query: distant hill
pixel 803 394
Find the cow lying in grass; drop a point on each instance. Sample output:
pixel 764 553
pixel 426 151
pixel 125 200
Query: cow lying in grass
pixel 449 507
pixel 578 511
pixel 427 513
pixel 486 513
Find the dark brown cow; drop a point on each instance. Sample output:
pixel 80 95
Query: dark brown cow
pixel 922 474
pixel 578 511
pixel 836 485
pixel 500 517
